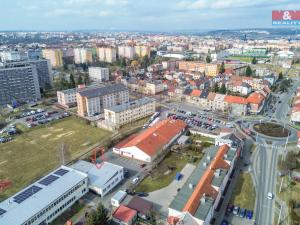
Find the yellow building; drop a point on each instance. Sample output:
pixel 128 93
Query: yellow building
pixel 54 56
pixel 141 50
pixel 107 54
pixel 210 69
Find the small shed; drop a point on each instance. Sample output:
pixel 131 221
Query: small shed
pixel 118 198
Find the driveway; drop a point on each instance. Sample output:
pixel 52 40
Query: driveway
pixel 163 197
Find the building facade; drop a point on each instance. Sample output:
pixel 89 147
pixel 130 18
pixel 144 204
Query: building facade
pixel 82 55
pixel 107 54
pixel 19 84
pixel 46 199
pixel 67 98
pixel 122 114
pixel 126 52
pixel 98 74
pixel 93 100
pixel 54 56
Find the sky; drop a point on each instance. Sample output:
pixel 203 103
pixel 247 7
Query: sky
pixel 139 15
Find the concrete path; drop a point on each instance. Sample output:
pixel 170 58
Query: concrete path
pixel 163 197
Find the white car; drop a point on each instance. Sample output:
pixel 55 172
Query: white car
pixel 270 196
pixel 135 180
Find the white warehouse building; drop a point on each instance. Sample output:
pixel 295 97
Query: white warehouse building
pixel 103 178
pixel 46 199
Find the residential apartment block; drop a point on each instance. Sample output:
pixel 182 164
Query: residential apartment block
pixel 142 50
pixel 154 87
pixel 98 74
pixel 107 54
pixel 200 196
pixel 43 69
pixel 209 69
pixel 19 83
pixel 82 55
pixel 54 56
pixel 67 98
pixel 93 100
pixel 126 52
pixel 119 115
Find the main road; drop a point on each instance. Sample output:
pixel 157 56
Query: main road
pixel 264 169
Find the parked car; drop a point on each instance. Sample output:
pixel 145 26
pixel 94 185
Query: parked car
pixel 135 180
pixel 236 210
pixel 126 173
pixel 142 194
pixel 249 214
pixel 229 208
pixel 242 213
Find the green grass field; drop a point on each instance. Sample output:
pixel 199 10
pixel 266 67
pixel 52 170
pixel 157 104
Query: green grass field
pixel 244 193
pixel 36 151
pixel 161 176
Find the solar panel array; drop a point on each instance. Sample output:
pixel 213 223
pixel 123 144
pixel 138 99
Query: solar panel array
pixel 2 211
pixel 48 180
pixel 61 172
pixel 26 194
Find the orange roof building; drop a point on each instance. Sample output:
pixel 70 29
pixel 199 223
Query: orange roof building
pixel 200 194
pixel 195 93
pixel 255 98
pixel 148 144
pixel 230 99
pixel 124 215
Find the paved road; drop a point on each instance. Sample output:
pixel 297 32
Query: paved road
pixel 264 169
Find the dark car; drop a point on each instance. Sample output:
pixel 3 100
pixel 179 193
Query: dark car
pixel 126 173
pixel 229 208
pixel 142 194
pixel 242 213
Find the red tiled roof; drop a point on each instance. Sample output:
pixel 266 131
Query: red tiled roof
pixel 204 186
pixel 196 93
pixel 154 138
pixel 211 96
pixel 255 98
pixel 124 214
pixel 235 99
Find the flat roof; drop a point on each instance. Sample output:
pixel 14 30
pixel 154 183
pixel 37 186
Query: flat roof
pixel 131 105
pixel 19 209
pixel 92 92
pixel 97 177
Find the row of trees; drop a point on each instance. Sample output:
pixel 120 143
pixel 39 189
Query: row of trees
pixel 98 217
pixel 62 83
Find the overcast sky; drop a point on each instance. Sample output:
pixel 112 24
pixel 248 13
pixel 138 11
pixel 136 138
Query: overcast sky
pixel 139 14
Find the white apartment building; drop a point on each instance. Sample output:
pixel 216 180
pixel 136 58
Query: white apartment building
pixel 10 56
pixel 67 98
pixel 82 55
pixel 99 74
pixel 107 54
pixel 102 178
pixel 93 100
pixel 119 115
pixel 46 199
pixel 154 87
pixel 126 52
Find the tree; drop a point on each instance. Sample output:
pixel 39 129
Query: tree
pixel 80 81
pixel 248 71
pixel 102 217
pixel 72 81
pixel 280 76
pixel 222 68
pixel 91 218
pixel 223 89
pixel 254 60
pixel 86 79
pixel 216 88
pixel 208 58
pixel 123 62
pixel 145 62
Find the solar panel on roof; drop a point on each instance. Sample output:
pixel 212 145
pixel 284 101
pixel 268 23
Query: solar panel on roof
pixel 26 194
pixel 61 172
pixel 2 211
pixel 48 180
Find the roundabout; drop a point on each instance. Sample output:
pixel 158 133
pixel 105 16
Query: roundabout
pixel 271 129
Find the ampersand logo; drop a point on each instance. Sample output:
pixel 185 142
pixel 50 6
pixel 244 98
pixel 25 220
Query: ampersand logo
pixel 286 15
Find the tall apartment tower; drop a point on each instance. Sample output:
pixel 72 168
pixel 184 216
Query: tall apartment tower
pixel 107 54
pixel 54 56
pixel 83 55
pixel 142 50
pixel 126 52
pixel 19 83
pixel 43 69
